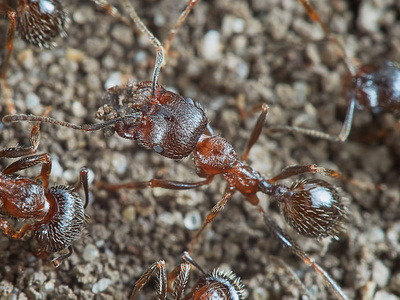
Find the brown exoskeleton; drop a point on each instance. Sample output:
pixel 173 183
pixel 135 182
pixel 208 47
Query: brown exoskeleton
pixel 174 127
pixel 56 214
pixel 216 284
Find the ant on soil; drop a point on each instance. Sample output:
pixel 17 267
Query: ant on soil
pixel 38 23
pixel 213 285
pixel 174 127
pixel 374 87
pixel 57 213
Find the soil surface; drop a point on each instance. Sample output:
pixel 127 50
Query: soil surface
pixel 270 53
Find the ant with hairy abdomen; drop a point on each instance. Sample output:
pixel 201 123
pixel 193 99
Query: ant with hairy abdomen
pixel 38 23
pixel 213 285
pixel 174 127
pixel 57 213
pixel 374 87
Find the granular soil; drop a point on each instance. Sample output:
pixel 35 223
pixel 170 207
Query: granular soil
pixel 269 53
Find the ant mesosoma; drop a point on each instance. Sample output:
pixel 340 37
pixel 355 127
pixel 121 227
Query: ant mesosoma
pixel 213 285
pixel 374 87
pixel 57 213
pixel 174 127
pixel 38 23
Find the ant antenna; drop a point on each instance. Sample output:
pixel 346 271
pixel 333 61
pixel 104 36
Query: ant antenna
pixel 159 48
pixel 86 127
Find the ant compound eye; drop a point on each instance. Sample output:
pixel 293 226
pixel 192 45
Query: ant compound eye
pixel 42 21
pixel 314 209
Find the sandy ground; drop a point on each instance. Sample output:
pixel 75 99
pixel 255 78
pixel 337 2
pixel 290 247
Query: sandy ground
pixel 268 54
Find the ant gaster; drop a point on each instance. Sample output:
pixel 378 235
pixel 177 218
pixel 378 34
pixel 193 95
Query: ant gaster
pixel 374 87
pixel 38 22
pixel 216 284
pixel 57 213
pixel 173 127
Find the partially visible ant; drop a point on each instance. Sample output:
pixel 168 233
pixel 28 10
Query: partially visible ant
pixel 38 22
pixel 57 213
pixel 213 285
pixel 174 127
pixel 374 87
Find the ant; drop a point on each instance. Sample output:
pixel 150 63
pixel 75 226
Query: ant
pixel 174 127
pixel 213 285
pixel 38 22
pixel 374 87
pixel 57 212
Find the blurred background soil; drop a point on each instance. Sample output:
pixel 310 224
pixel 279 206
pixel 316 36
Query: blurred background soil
pixel 269 52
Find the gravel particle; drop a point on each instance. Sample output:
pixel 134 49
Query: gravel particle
pixel 129 214
pixel 90 253
pixel 380 273
pixel 113 80
pixel 101 285
pixel 192 220
pixel 211 49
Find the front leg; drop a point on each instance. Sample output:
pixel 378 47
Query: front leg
pixel 12 232
pixel 30 161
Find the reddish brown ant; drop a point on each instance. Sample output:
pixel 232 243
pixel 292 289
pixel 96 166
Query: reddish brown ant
pixel 374 87
pixel 174 127
pixel 213 285
pixel 57 212
pixel 38 23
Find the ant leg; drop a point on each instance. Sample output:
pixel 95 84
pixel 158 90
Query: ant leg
pixel 19 151
pixel 159 267
pixel 289 273
pixel 315 17
pixel 30 161
pixel 84 182
pixel 289 242
pixel 256 131
pixel 178 24
pixel 9 46
pixel 113 11
pixel 298 170
pixel 58 260
pixel 213 213
pixel 341 137
pixel 12 232
pixel 178 278
pixel 245 113
pixel 153 183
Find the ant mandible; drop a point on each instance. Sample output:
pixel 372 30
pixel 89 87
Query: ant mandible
pixel 174 127
pixel 57 212
pixel 38 22
pixel 213 285
pixel 374 87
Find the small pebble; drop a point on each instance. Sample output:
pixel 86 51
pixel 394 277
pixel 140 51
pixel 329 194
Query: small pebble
pixel 113 80
pixel 101 285
pixel 192 220
pixel 211 49
pixel 129 214
pixel 90 253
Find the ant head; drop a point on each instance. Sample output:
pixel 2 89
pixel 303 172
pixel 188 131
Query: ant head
pixel 41 21
pixel 314 208
pixel 64 222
